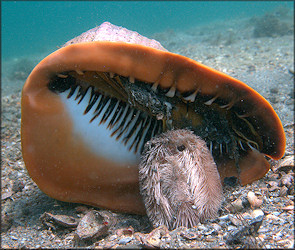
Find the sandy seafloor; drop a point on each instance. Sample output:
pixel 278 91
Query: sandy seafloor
pixel 264 63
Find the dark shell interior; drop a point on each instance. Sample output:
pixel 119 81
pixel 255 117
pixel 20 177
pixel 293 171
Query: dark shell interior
pixel 150 109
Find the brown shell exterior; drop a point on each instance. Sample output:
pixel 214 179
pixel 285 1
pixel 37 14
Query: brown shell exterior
pixel 46 128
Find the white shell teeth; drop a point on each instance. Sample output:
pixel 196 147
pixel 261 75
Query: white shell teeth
pixel 75 94
pixel 191 97
pixel 131 79
pixel 211 145
pixel 87 96
pixel 242 116
pixel 210 101
pixel 241 145
pixel 249 145
pixel 62 75
pixel 171 92
pixel 79 72
pixel 224 106
pixel 227 106
pixel 155 86
pixel 112 74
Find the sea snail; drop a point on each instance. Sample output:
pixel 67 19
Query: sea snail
pixel 92 107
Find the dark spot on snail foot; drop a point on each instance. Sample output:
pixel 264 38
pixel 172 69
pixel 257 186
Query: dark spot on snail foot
pixel 180 148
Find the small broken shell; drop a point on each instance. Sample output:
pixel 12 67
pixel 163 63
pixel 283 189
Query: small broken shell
pixel 254 200
pixel 51 220
pixel 283 191
pixel 287 180
pixel 235 206
pixel 154 238
pixel 125 231
pixel 256 213
pixel 91 226
pixel 285 164
pixel 289 208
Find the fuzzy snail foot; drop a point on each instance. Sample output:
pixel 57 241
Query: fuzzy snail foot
pixel 179 180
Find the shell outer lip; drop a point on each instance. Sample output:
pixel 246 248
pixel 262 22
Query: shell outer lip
pixel 183 71
pixel 167 69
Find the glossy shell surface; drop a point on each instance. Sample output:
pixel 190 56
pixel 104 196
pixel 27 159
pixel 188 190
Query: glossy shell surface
pixel 59 158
